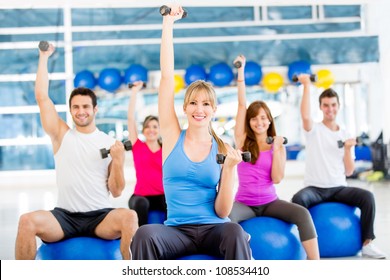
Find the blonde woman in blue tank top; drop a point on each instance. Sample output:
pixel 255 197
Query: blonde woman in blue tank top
pixel 199 192
pixel 256 195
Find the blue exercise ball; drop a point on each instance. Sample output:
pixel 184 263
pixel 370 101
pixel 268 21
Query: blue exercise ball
pixel 273 239
pixel 136 72
pixel 156 217
pixel 199 257
pixel 85 79
pixel 338 229
pixel 221 74
pixel 194 73
pixel 110 79
pixel 252 73
pixel 298 67
pixel 80 248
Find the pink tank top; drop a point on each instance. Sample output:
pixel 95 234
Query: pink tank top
pixel 255 183
pixel 148 170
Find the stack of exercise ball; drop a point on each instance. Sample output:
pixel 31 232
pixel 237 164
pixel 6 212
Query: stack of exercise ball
pixel 324 77
pixel 110 79
pixel 220 75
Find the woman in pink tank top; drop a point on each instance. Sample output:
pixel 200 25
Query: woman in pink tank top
pixel 256 195
pixel 147 155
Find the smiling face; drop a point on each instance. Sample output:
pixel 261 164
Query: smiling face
pixel 82 111
pixel 258 120
pixel 259 123
pixel 329 107
pixel 151 129
pixel 199 103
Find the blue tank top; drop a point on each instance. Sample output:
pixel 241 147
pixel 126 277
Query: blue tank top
pixel 191 187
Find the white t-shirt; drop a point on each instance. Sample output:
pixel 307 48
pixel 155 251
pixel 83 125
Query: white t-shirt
pixel 81 172
pixel 324 159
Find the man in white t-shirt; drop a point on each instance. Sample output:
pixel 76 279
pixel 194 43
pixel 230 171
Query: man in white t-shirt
pixel 329 159
pixel 84 179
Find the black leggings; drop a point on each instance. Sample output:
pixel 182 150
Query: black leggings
pixel 142 205
pixel 159 242
pixel 357 197
pixel 286 211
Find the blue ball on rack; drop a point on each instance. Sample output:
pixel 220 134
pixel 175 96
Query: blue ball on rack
pixel 135 72
pixel 85 79
pixel 194 73
pixel 221 74
pixel 253 73
pixel 110 79
pixel 298 67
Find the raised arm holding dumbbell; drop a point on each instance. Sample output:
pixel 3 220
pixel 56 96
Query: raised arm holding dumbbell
pixel 43 46
pixel 199 192
pixel 327 167
pixel 84 183
pixel 148 191
pixel 165 10
pixel 255 132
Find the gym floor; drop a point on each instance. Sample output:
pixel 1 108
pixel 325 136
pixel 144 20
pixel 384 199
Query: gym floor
pixel 30 191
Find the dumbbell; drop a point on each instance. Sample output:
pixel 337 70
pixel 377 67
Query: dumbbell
pixel 43 45
pixel 246 156
pixel 313 78
pixel 130 85
pixel 237 64
pixel 270 140
pixel 359 142
pixel 165 10
pixel 128 146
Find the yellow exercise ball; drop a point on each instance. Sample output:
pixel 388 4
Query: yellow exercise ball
pixel 179 83
pixel 272 82
pixel 325 79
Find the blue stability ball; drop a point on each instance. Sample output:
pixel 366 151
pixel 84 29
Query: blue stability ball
pixel 221 74
pixel 80 248
pixel 253 73
pixel 298 67
pixel 338 229
pixel 199 257
pixel 194 73
pixel 136 72
pixel 273 239
pixel 85 79
pixel 110 79
pixel 156 217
